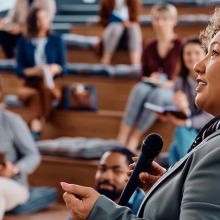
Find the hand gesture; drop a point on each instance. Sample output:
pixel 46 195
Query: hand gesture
pixel 181 101
pixel 176 121
pixel 150 178
pixel 79 200
pixel 7 169
pixel 55 69
pixel 155 76
pixel 13 29
pixel 162 117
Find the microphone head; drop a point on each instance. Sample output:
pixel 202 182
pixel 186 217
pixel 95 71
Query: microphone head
pixel 153 142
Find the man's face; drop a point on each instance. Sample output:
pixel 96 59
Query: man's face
pixel 111 174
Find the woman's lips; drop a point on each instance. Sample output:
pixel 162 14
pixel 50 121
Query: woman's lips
pixel 200 86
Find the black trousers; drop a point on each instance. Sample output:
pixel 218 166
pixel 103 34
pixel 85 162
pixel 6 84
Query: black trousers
pixel 8 43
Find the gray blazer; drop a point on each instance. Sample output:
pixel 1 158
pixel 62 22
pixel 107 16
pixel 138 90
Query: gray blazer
pixel 190 190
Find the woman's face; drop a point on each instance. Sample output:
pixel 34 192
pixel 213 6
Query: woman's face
pixel 162 23
pixel 192 54
pixel 208 70
pixel 43 21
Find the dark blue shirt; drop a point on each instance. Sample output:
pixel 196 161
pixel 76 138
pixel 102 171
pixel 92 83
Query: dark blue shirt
pixel 55 53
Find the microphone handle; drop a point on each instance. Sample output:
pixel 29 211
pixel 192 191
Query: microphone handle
pixel 142 165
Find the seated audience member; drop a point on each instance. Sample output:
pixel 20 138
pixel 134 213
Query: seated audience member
pixel 12 26
pixel 184 98
pixel 190 188
pixel 121 21
pixel 110 177
pixel 40 58
pixel 160 58
pixel 19 157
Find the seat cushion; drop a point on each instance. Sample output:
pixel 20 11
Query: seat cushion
pixel 40 198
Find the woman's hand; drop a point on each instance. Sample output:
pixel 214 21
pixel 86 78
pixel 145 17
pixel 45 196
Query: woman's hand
pixel 126 24
pixel 150 178
pixel 168 84
pixel 181 101
pixel 155 76
pixel 7 170
pixel 176 121
pixel 79 200
pixel 162 117
pixel 13 28
pixel 55 69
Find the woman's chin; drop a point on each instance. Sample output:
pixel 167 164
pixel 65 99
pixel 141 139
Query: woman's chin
pixel 200 103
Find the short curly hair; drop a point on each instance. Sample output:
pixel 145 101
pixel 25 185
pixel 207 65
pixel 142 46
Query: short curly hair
pixel 212 29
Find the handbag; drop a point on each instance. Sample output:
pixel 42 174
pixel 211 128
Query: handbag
pixel 78 96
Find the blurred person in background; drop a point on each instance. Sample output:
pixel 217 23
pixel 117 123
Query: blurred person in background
pixel 19 157
pixel 40 58
pixel 110 176
pixel 120 19
pixel 184 98
pixel 159 62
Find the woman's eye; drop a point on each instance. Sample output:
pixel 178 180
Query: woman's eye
pixel 214 53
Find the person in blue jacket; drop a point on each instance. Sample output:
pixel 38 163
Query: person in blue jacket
pixel 40 58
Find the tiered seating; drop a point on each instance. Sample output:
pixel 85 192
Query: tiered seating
pixel 112 92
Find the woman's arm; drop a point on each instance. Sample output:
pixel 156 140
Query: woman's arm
pixel 22 70
pixel 62 56
pixel 24 143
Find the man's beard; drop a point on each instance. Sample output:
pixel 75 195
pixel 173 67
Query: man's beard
pixel 111 194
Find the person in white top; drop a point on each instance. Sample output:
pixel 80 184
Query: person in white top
pixel 120 19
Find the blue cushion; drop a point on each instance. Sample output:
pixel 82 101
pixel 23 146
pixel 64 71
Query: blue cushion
pixel 40 198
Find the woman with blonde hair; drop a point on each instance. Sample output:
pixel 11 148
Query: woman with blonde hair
pixel 159 62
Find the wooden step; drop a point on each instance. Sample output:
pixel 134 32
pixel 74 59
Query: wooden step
pixel 183 30
pixel 56 211
pixel 54 170
pixel 62 123
pixel 112 92
pixel 75 55
pixel 101 124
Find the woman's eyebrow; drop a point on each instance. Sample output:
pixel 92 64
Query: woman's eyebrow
pixel 215 42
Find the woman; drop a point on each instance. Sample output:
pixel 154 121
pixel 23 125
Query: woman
pixel 120 18
pixel 160 59
pixel 189 189
pixel 19 157
pixel 40 58
pixel 184 98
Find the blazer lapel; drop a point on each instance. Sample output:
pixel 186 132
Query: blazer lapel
pixel 170 171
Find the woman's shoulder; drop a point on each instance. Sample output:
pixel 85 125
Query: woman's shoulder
pixel 23 39
pixel 178 41
pixel 55 36
pixel 178 79
pixel 9 116
pixel 149 45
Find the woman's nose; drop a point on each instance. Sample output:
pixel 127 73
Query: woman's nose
pixel 200 66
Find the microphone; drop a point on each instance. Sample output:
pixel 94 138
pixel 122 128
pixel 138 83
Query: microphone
pixel 151 147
